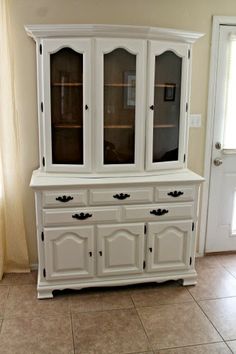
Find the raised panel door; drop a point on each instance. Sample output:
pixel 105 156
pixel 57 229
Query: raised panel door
pixel 120 249
pixel 69 252
pixel 168 246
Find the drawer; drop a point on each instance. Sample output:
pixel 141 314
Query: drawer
pixel 64 198
pixel 121 196
pixel 80 216
pixel 156 212
pixel 174 193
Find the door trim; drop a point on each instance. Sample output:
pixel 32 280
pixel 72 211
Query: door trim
pixel 217 22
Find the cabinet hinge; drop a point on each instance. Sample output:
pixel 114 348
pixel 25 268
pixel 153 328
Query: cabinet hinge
pixel 42 236
pixel 144 264
pixel 43 160
pixel 192 226
pixel 44 272
pixel 190 261
pixel 41 106
pixel 145 229
pixel 40 49
pixel 189 54
pixel 184 157
pixel 186 106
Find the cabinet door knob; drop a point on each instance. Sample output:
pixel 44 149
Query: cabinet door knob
pixel 152 107
pixel 64 198
pixel 121 196
pixel 150 249
pixel 86 107
pixel 175 194
pixel 90 254
pixel 159 212
pixel 82 216
pixel 100 253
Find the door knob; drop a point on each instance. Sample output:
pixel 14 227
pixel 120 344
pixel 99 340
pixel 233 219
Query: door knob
pixel 217 162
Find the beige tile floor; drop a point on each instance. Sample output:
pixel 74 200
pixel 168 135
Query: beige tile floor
pixel 153 318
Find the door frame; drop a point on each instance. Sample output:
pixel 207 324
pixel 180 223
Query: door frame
pixel 217 22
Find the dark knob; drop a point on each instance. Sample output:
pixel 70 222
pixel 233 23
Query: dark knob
pixel 64 198
pixel 90 254
pixel 150 249
pixel 100 253
pixel 152 107
pixel 121 196
pixel 175 194
pixel 82 216
pixel 159 212
pixel 86 107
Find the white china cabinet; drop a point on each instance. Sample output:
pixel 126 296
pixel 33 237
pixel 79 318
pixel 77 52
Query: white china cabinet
pixel 115 202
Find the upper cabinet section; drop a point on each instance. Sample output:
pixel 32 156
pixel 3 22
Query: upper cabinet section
pixel 112 99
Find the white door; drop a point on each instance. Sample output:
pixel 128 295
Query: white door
pixel 221 226
pixel 120 104
pixel 69 252
pixel 168 246
pixel 167 104
pixel 66 104
pixel 120 249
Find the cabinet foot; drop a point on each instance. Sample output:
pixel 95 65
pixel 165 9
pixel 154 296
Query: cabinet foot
pixel 189 281
pixel 45 294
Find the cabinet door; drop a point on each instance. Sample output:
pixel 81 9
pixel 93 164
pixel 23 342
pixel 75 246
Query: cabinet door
pixel 120 89
pixel 66 104
pixel 168 67
pixel 120 249
pixel 168 246
pixel 69 252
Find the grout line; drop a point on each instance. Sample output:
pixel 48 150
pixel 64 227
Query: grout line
pixel 140 320
pixel 72 330
pixel 191 346
pixel 229 347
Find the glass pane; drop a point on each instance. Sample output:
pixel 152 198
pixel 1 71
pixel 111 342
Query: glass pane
pixel 119 107
pixel 67 107
pixel 167 92
pixel 230 111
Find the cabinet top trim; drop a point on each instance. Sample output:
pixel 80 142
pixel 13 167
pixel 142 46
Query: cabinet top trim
pixel 89 30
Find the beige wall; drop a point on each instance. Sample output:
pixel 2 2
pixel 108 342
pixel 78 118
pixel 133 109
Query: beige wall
pixel 193 15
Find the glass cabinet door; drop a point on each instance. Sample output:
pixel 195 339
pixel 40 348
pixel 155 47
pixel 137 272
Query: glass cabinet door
pixel 167 105
pixel 120 104
pixel 67 104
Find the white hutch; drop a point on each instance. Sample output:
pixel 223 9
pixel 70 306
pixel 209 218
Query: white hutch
pixel 115 202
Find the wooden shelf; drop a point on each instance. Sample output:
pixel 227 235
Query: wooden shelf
pixel 118 126
pixel 68 126
pixel 67 84
pixel 164 125
pixel 118 85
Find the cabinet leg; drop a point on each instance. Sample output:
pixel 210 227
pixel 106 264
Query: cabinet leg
pixel 45 294
pixel 189 281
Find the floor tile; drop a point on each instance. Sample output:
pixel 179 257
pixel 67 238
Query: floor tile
pixel 109 332
pixel 4 290
pixel 164 294
pixel 232 345
pixel 226 260
pixel 22 302
pixel 19 278
pixel 36 336
pixel 214 348
pixel 213 283
pixel 222 313
pixel 169 326
pixel 94 302
pixel 207 262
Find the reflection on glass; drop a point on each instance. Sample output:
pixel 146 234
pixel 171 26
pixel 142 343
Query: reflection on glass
pixel 67 106
pixel 119 107
pixel 234 216
pixel 167 93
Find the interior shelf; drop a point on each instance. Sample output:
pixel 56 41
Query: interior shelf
pixel 67 126
pixel 67 84
pixel 118 85
pixel 118 126
pixel 164 125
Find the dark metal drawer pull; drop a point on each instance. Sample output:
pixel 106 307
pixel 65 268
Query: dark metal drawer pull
pixel 82 216
pixel 159 212
pixel 121 196
pixel 175 194
pixel 64 198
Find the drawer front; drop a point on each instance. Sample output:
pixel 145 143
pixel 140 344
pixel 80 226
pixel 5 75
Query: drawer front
pixel 174 193
pixel 64 198
pixel 121 196
pixel 80 216
pixel 158 212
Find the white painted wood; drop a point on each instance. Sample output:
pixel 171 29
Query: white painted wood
pixel 172 193
pixel 223 178
pixel 111 196
pixel 137 48
pixel 82 46
pixel 173 211
pixel 69 252
pixel 155 49
pixel 168 246
pixel 54 217
pixel 120 249
pixel 61 198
